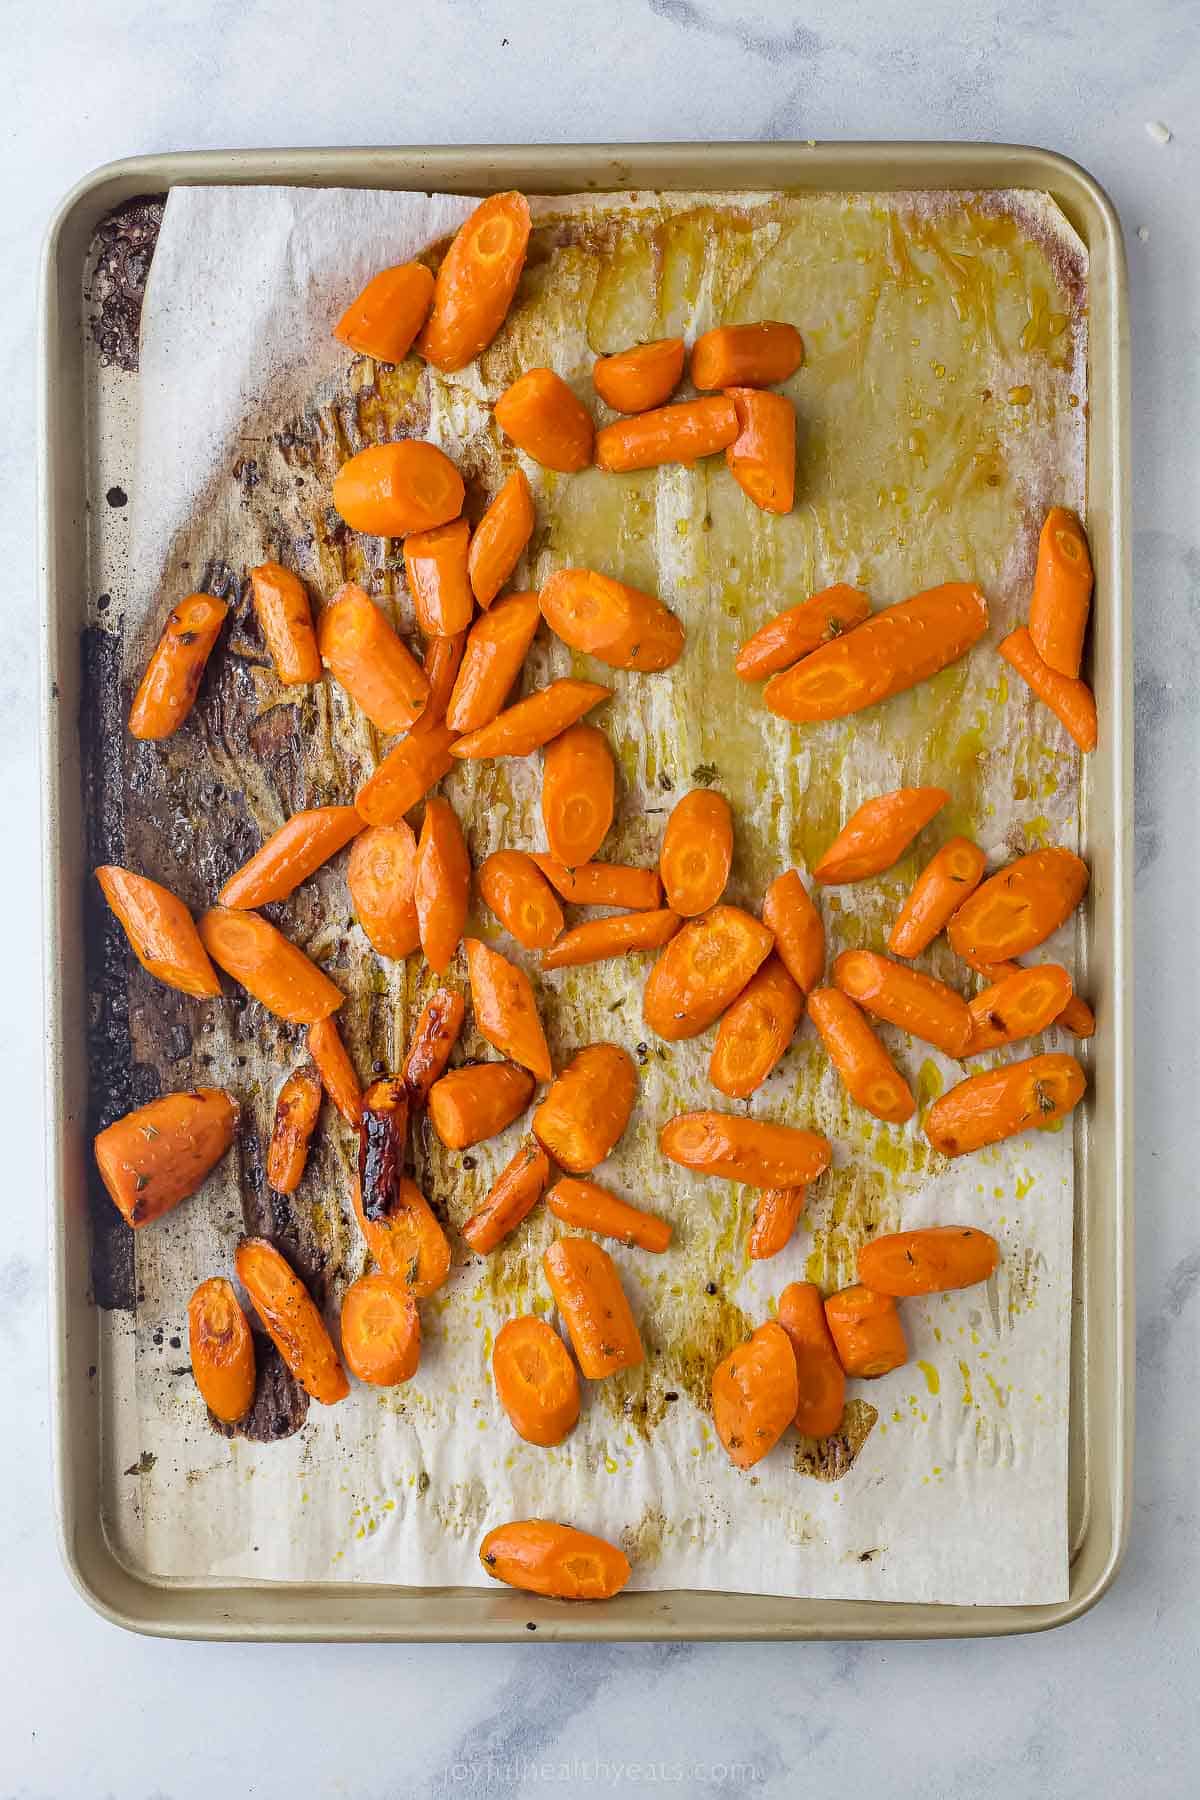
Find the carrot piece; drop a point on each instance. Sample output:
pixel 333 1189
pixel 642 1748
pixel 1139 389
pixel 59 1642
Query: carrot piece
pixel 753 1151
pixel 605 618
pixel 788 911
pixel 1062 593
pixel 776 1215
pixel 1019 908
pixel 435 564
pixel 589 1207
pixel 947 879
pixel 555 1560
pixel 161 931
pixel 290 855
pixel 536 1383
pixel 385 318
pixel 1078 1018
pixel 158 1154
pixel 405 774
pixel 602 884
pixel 476 282
pixel 291 1320
pixel 547 420
pixel 364 654
pixel 762 457
pixel 756 1031
pixel 891 651
pixel 917 1003
pixel 391 489
pixel 521 898
pixel 443 660
pixel 167 691
pixel 878 834
pixel 285 619
pixel 442 883
pixel 337 1072
pixel 820 1378
pixel 1071 701
pixel 697 852
pixel 433 1039
pixel 471 1104
pixel 511 1198
pixel 702 971
pixel 521 729
pixel 1018 1006
pixel 497 645
pixel 296 1113
pixel 634 380
pixel 382 876
pixel 867 1333
pixel 382 1139
pixel 867 1071
pixel 579 784
pixel 500 537
pixel 751 356
pixel 408 1243
pixel 986 1109
pixel 381 1330
pixel 930 1261
pixel 800 630
pixel 681 433
pixel 588 1293
pixel 221 1350
pixel 755 1394
pixel 277 973
pixel 506 1012
pixel 617 936
pixel 588 1107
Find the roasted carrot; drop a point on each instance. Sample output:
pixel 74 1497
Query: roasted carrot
pixel 555 1560
pixel 547 420
pixel 755 1393
pixel 788 911
pixel 986 1109
pixel 928 1261
pixel 381 1330
pixel 476 282
pixel 756 1031
pixel 620 625
pixel 1062 593
pixel 800 630
pixel 385 318
pixel 391 489
pixel 752 356
pixel 634 380
pixel 382 878
pixel 408 1243
pixel 521 898
pixel 1078 1018
pixel 587 1107
pixel 917 1003
pixel 948 878
pixel 753 1151
pixel 762 457
pixel 616 936
pixel 1019 908
pixel 536 1382
pixel 776 1214
pixel 867 1333
pixel 296 1113
pixel 433 1038
pixel 285 620
pixel 337 1072
pixel 291 1320
pixel 276 972
pixel 589 1207
pixel 363 653
pixel 1018 1006
pixel 382 1141
pixel 405 774
pixel 820 1378
pixel 579 785
pixel 221 1349
pixel 891 651
pixel 443 660
pixel 161 931
pixel 168 689
pixel 435 564
pixel 867 1071
pixel 1070 700
pixel 506 1012
pixel 702 971
pixel 602 884
pixel 442 884
pixel 471 1104
pixel 697 852
pixel 511 1198
pixel 290 855
pixel 588 1293
pixel 497 645
pixel 668 434
pixel 878 834
pixel 523 728
pixel 158 1154
pixel 500 537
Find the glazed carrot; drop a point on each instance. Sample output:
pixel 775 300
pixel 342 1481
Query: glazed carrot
pixel 408 1243
pixel 547 420
pixel 432 1041
pixel 681 433
pixel 755 1393
pixel 168 689
pixel 1018 1006
pixel 363 653
pixel 435 564
pixel 599 939
pixel 337 1072
pixel 788 911
pixel 442 883
pixel 891 651
pixel 291 1320
pixel 381 1330
pixel 285 619
pixel 497 645
pixel 986 1109
pixel 500 537
pixel 386 317
pixel 867 1071
pixel 296 1112
pixel 697 851
pixel 602 884
pixel 928 1261
pixel 588 1293
pixel 588 1107
pixel 555 1560
pixel 158 1154
pixel 391 489
pixel 917 1003
pixel 579 783
pixel 1078 1018
pixel 947 879
pixel 620 625
pixel 521 898
pixel 161 931
pixel 1019 908
pixel 878 834
pixel 820 1378
pixel 1062 593
pixel 290 855
pixel 221 1349
pixel 521 729
pixel 756 1031
pixel 762 457
pixel 776 1214
pixel 382 876
pixel 1071 701
pixel 753 1151
pixel 511 1197
pixel 471 1104
pixel 476 282
pixel 752 356
pixel 276 972
pixel 866 1331
pixel 405 774
pixel 634 380
pixel 702 971
pixel 506 1012
pixel 589 1207
pixel 382 1140
pixel 443 660
pixel 536 1382
pixel 800 630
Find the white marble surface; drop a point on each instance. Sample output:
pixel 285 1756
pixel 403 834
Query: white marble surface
pixel 1105 1707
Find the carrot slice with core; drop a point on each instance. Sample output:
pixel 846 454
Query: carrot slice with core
pixel 697 852
pixel 536 1382
pixel 221 1349
pixel 702 971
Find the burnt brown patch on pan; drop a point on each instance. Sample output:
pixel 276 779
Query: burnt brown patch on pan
pixel 280 1403
pixel 829 1458
pixel 122 248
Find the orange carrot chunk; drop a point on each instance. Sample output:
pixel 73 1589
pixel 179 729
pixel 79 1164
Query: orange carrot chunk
pixel 1078 1018
pixel 588 1293
pixel 754 1151
pixel 681 433
pixel 1019 908
pixel 746 355
pixel 866 1331
pixel 405 774
pixel 158 1154
pixel 547 420
pixel 555 1560
pixel 617 936
pixel 532 722
pixel 755 1393
pixel 579 783
pixel 634 380
pixel 620 625
pixel 788 911
pixel 946 881
pixel 1070 700
pixel 476 282
pixel 697 852
pixel 471 1104
pixel 702 971
pixel 435 565
pixel 385 318
pixel 441 884
pixel 296 1113
pixel 276 972
pixel 536 1383
pixel 1062 593
pixel 986 1109
pixel 291 1320
pixel 929 1261
pixel 337 1072
pixel 756 1031
pixel 521 898
pixel 497 645
pixel 800 630
pixel 602 884
pixel 500 537
pixel 589 1207
pixel 587 1108
pixel 168 689
pixel 391 489
pixel 433 1039
pixel 364 654
pixel 506 1012
pixel 776 1214
pixel 161 931
pixel 867 1071
pixel 443 659
pixel 285 619
pixel 221 1349
pixel 1019 1006
pixel 820 1378
pixel 762 457
pixel 381 1330
pixel 917 1003
pixel 407 1242
pixel 290 855
pixel 382 878
pixel 511 1197
pixel 878 834
pixel 382 1141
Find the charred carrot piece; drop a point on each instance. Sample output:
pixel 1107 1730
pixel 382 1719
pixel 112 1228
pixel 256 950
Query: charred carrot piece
pixel 511 1198
pixel 555 1560
pixel 363 653
pixel 587 1108
pixel 547 420
pixel 605 618
pixel 800 630
pixel 820 1378
pixel 1062 593
pixel 949 878
pixel 408 1243
pixel 776 1214
pixel 290 855
pixel 382 1140
pixel 788 911
pixel 756 1031
pixel 432 1041
pixel 471 1104
pixel 389 490
pixel 986 1109
pixel 443 660
pixel 382 878
pixel 435 564
pixel 751 356
pixel 1070 700
pixel 754 1151
pixel 588 1293
pixel 602 884
pixel 497 645
pixel 442 883
pixel 158 1154
pixel 599 939
pixel 173 675
pixel 681 433
pixel 296 1113
pixel 384 319
pixel 381 1330
pixel 536 1383
pixel 276 972
pixel 927 1262
pixel 506 1012
pixel 579 788
pixel 697 852
pixel 1019 1006
pixel 532 722
pixel 500 538
pixel 867 1333
pixel 868 1073
pixel 337 1072
pixel 634 380
pixel 589 1207
pixel 1019 908
pixel 476 282
pixel 221 1350
pixel 291 1320
pixel 878 834
pixel 161 931
pixel 285 620
pixel 521 898
pixel 762 457
pixel 702 970
pixel 755 1393
pixel 917 1003
pixel 405 775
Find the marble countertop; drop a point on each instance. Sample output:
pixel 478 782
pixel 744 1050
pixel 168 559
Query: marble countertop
pixel 1103 1707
